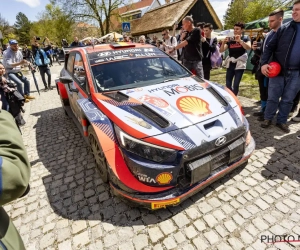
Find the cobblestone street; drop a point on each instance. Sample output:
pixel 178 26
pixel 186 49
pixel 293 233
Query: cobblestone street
pixel 69 207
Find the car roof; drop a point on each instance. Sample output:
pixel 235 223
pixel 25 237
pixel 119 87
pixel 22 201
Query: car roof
pixel 121 45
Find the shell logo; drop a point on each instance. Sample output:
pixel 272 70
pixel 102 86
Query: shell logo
pixel 193 105
pixel 164 178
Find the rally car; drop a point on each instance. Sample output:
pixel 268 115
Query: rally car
pixel 158 133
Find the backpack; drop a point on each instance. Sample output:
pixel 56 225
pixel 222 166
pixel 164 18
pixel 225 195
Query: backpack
pixel 215 57
pixel 41 58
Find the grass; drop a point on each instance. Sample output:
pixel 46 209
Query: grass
pixel 248 87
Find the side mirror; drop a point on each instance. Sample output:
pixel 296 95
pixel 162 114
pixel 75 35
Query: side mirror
pixel 65 80
pixel 68 80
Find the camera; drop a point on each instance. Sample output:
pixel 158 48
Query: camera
pixel 160 42
pixel 37 38
pixel 230 39
pixel 258 44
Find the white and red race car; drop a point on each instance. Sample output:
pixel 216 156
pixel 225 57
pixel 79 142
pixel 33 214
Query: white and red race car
pixel 158 133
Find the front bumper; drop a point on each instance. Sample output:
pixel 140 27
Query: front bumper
pixel 176 195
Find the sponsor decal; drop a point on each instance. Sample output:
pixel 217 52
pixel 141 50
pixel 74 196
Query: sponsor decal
pixel 164 204
pixel 183 89
pixel 159 104
pixel 163 88
pixel 193 105
pixel 204 84
pixel 113 55
pixel 140 122
pixel 164 178
pixel 145 178
pixel 138 89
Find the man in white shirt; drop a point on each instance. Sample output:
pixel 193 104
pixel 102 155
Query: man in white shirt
pixel 169 43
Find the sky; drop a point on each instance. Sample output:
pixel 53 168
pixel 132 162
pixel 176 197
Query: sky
pixel 31 8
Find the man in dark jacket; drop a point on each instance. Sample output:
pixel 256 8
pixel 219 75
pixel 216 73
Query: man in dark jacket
pixel 209 45
pixel 192 57
pixel 14 177
pixel 284 48
pixel 275 21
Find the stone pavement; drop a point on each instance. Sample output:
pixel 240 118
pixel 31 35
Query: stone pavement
pixel 69 207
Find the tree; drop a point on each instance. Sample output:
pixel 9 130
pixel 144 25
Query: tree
pixel 22 28
pixel 5 29
pixel 250 10
pixel 99 11
pixel 54 24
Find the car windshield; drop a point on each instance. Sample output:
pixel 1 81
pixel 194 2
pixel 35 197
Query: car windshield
pixel 133 73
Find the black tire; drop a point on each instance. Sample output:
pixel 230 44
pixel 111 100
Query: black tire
pixel 99 156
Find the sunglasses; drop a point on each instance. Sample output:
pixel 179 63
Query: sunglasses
pixel 163 34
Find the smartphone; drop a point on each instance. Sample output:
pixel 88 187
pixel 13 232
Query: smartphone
pixel 259 44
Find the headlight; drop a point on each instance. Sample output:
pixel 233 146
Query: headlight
pixel 143 149
pixel 248 138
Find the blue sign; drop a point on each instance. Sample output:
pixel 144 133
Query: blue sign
pixel 126 27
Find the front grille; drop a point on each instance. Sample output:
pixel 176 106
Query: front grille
pixel 217 96
pixel 144 110
pixel 220 159
pixel 199 169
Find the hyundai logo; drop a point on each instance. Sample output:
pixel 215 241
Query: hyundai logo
pixel 220 141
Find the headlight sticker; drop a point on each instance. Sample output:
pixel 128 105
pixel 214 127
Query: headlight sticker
pixel 140 122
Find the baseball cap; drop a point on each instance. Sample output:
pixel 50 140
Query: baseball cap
pixel 12 42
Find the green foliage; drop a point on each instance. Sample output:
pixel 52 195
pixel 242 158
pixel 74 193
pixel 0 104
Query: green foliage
pixel 54 24
pixel 22 28
pixel 99 11
pixel 250 10
pixel 5 30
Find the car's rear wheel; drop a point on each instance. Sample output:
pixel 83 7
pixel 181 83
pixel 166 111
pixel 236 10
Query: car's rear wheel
pixel 99 156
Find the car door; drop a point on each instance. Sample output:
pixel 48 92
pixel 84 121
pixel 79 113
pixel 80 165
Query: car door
pixel 70 87
pixel 79 85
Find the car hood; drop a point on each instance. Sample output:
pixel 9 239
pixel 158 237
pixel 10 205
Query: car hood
pixel 161 108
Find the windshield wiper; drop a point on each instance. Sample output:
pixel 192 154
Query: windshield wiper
pixel 169 80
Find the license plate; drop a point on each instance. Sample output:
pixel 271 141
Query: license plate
pixel 164 204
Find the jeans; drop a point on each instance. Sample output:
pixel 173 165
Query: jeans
pixel 284 87
pixel 19 78
pixel 263 83
pixel 237 75
pixel 43 71
pixel 194 65
pixel 3 99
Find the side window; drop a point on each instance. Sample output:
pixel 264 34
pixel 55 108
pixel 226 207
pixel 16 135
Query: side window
pixel 70 63
pixel 79 72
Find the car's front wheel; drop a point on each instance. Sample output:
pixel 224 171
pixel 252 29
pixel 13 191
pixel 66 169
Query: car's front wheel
pixel 99 156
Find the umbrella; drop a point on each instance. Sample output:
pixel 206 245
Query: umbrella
pixel 112 35
pixel 34 79
pixel 263 22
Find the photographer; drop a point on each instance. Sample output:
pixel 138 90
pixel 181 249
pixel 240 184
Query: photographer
pixel 15 175
pixel 237 59
pixel 3 82
pixel 275 21
pixel 42 61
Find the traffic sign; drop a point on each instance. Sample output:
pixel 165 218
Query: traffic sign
pixel 126 27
